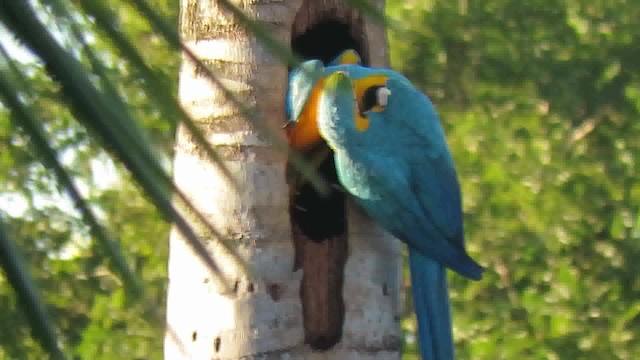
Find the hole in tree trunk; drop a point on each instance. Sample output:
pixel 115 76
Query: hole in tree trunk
pixel 322 217
pixel 275 291
pixel 325 40
pixel 322 30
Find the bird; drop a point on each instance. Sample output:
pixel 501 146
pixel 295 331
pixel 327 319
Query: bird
pixel 304 87
pixel 392 157
pixel 307 203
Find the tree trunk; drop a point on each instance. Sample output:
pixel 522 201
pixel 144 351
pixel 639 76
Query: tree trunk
pixel 329 298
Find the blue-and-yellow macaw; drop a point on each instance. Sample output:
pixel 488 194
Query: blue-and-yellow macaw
pixel 305 87
pixel 391 155
pixel 307 204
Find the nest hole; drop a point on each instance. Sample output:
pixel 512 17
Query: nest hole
pixel 327 39
pixel 322 216
pixel 319 221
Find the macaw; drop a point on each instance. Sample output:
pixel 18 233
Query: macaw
pixel 392 157
pixel 302 131
pixel 305 83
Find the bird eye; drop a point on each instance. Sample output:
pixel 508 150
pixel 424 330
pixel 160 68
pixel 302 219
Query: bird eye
pixel 370 98
pixel 374 98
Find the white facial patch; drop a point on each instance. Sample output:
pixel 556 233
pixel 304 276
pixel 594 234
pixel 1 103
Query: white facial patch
pixel 382 96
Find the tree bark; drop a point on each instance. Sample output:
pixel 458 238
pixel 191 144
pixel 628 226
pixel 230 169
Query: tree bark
pixel 269 316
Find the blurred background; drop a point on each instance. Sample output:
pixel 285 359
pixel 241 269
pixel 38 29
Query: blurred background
pixel 540 101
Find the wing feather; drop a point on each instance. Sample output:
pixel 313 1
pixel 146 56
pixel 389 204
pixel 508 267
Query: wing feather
pixel 433 177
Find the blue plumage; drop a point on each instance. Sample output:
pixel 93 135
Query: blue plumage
pixel 399 169
pixel 431 300
pixel 303 78
pixel 393 158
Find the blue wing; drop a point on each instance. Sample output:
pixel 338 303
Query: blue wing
pixel 380 184
pixel 433 178
pixel 400 170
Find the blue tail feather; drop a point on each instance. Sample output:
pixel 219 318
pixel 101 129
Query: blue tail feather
pixel 431 302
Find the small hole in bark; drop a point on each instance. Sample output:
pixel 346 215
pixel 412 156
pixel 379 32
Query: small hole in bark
pixel 194 336
pixel 250 288
pixel 385 289
pixel 236 285
pixel 216 344
pixel 275 291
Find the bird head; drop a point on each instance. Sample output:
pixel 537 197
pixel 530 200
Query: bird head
pixel 301 103
pixel 349 97
pixel 302 81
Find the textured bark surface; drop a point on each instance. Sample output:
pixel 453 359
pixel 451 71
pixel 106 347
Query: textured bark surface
pixel 240 317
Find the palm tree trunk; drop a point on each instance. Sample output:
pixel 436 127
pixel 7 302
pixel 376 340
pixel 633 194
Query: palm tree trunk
pixel 308 299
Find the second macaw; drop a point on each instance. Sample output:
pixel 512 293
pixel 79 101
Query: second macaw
pixel 308 205
pixel 391 155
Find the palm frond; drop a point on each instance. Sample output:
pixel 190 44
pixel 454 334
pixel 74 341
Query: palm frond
pixel 43 328
pixel 153 85
pixel 27 120
pixel 171 36
pixel 109 120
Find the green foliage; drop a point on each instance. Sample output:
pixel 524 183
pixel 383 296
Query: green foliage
pixel 540 105
pixel 86 299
